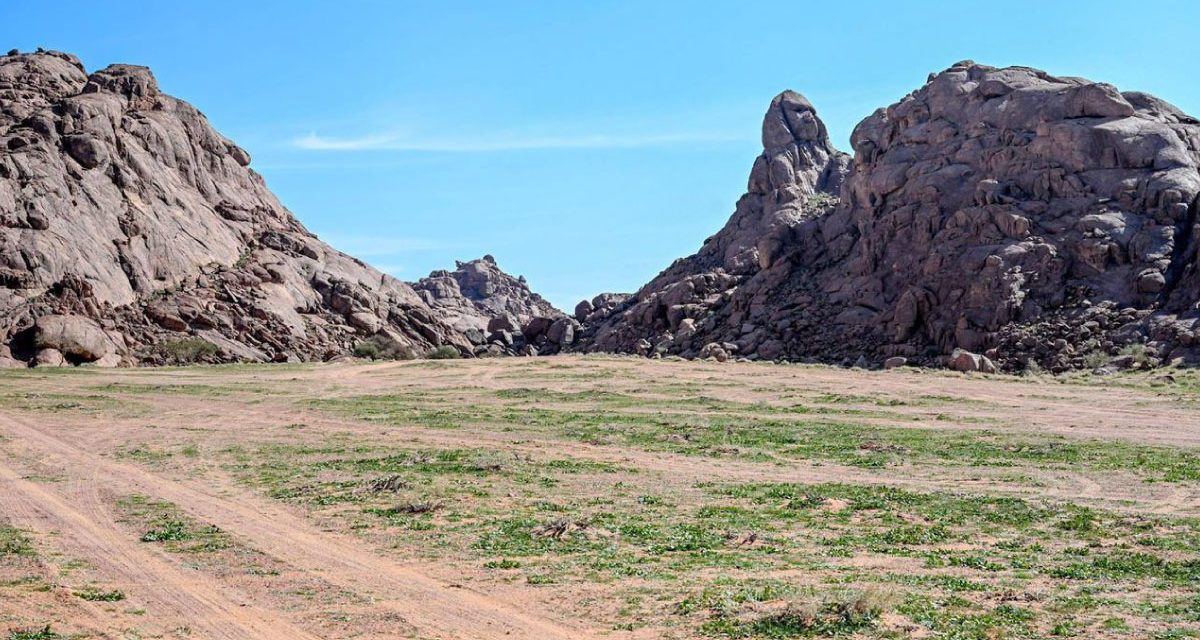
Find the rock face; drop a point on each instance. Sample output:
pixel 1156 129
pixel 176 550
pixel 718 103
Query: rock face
pixel 1035 218
pixel 498 313
pixel 477 291
pixel 127 224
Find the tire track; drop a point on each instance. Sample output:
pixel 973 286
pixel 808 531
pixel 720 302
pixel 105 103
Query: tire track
pixel 436 609
pixel 91 533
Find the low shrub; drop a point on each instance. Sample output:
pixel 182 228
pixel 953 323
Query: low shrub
pixel 381 347
pixel 444 352
pixel 188 350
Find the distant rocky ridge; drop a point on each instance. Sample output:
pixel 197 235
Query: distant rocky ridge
pixel 132 232
pixel 999 215
pixel 497 313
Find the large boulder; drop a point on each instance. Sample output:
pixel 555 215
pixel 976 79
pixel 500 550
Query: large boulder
pixel 583 310
pixel 76 337
pixel 562 332
pixel 49 358
pixel 536 328
pixel 967 362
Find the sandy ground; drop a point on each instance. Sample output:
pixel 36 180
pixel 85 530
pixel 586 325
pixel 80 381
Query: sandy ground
pixel 61 472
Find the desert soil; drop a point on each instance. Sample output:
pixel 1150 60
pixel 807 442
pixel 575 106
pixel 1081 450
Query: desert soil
pixel 589 497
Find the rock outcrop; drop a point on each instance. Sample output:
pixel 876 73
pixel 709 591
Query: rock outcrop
pixel 497 313
pixel 477 291
pixel 131 231
pixel 1036 219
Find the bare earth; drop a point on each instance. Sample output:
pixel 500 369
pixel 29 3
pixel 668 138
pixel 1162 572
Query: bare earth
pixel 587 497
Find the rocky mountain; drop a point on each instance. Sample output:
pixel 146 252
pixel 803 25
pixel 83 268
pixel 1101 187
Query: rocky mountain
pixel 131 231
pixel 497 313
pixel 1039 220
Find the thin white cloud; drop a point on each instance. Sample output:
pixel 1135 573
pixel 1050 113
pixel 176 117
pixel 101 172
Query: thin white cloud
pixel 484 144
pixel 391 269
pixel 312 142
pixel 369 246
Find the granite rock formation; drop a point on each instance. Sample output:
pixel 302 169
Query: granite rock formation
pixel 497 313
pixel 131 231
pixel 1040 220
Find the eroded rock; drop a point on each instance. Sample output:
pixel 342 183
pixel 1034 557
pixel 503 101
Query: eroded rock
pixel 128 226
pixel 991 210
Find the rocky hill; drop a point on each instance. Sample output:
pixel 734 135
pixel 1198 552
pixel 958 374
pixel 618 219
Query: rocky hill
pixel 497 313
pixel 131 231
pixel 1036 220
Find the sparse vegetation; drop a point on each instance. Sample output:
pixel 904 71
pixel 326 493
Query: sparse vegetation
pixel 44 633
pixel 693 502
pixel 381 347
pixel 1141 359
pixel 187 350
pixel 14 542
pixel 167 525
pixel 97 595
pixel 444 352
pixel 836 614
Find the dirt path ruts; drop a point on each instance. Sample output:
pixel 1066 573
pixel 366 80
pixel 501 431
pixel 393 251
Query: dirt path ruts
pixel 87 530
pixel 436 609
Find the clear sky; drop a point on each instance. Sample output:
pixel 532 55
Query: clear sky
pixel 584 144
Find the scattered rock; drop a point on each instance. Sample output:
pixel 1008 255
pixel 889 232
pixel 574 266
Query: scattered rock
pixel 583 310
pixel 49 358
pixel 714 351
pixel 388 484
pixel 967 362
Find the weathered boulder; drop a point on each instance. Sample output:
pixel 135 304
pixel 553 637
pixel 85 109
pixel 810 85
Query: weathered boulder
pixel 714 351
pixel 562 332
pixel 73 336
pixel 49 358
pixel 536 328
pixel 503 322
pixel 967 362
pixel 583 310
pixel 107 362
pixel 366 322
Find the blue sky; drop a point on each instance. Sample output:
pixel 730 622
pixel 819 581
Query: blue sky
pixel 584 144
